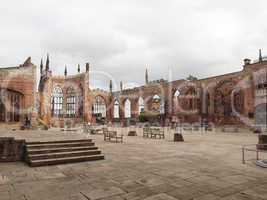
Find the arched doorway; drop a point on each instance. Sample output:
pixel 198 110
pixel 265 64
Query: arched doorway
pixel 99 108
pixel 10 105
pixel 222 99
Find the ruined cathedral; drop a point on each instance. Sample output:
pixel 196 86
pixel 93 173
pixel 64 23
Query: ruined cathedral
pixel 237 98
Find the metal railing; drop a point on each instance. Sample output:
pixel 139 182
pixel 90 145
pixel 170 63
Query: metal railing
pixel 257 148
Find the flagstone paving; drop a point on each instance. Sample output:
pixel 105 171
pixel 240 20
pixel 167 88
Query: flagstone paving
pixel 204 167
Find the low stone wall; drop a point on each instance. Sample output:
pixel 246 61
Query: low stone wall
pixel 11 150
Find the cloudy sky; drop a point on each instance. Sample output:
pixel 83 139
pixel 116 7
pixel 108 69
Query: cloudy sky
pixel 120 38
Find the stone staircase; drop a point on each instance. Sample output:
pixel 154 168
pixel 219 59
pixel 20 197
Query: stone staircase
pixel 61 152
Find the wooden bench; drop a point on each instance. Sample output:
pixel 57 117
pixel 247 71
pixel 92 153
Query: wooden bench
pixel 112 136
pixel 156 132
pixel 230 129
pixel 146 132
pixel 153 133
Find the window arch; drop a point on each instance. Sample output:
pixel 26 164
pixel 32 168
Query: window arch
pixel 176 93
pixel 99 106
pixel 16 107
pixel 156 104
pixel 162 107
pixel 141 105
pixel 127 108
pixel 57 101
pixel 156 98
pixel 10 101
pixel 176 105
pixel 222 98
pixel 116 109
pixel 71 102
pixel 192 100
pixel 239 101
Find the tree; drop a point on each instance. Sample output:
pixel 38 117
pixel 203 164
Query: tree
pixel 191 78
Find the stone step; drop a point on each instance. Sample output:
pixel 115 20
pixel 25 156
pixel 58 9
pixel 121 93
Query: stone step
pixel 58 141
pixel 55 161
pixel 57 145
pixel 60 149
pixel 63 154
pixel 41 153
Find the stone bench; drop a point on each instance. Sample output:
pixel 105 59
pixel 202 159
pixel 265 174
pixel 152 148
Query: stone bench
pixel 112 136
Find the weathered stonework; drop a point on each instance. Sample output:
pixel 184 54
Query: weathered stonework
pixel 19 82
pixel 11 150
pixel 237 98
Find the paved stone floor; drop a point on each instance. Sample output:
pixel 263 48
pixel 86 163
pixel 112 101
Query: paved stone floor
pixel 204 167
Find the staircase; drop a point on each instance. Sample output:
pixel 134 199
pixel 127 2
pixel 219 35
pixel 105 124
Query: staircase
pixel 61 152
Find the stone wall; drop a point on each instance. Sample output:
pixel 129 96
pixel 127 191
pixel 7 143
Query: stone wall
pixel 21 80
pixel 227 99
pixel 11 150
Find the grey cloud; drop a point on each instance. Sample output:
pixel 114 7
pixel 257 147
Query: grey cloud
pixel 123 37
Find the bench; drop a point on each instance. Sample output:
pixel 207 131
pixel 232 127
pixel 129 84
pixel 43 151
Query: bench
pixel 257 148
pixel 156 132
pixel 146 132
pixel 230 129
pixel 112 135
pixel 96 131
pixel 153 133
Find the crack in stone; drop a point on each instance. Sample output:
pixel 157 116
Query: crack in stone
pixel 85 196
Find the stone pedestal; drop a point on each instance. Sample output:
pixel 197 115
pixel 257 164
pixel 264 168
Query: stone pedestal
pixel 178 137
pixel 132 133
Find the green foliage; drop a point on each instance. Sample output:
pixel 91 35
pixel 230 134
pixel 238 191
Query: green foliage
pixel 191 78
pixel 142 118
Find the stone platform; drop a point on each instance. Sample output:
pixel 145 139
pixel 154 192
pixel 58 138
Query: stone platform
pixel 205 166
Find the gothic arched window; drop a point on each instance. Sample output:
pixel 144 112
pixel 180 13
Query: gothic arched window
pixel 222 98
pixel 127 109
pixel 57 102
pixel 141 105
pixel 176 93
pixel 16 105
pixel 238 101
pixel 99 106
pixel 156 98
pixel 71 102
pixel 156 103
pixel 116 109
